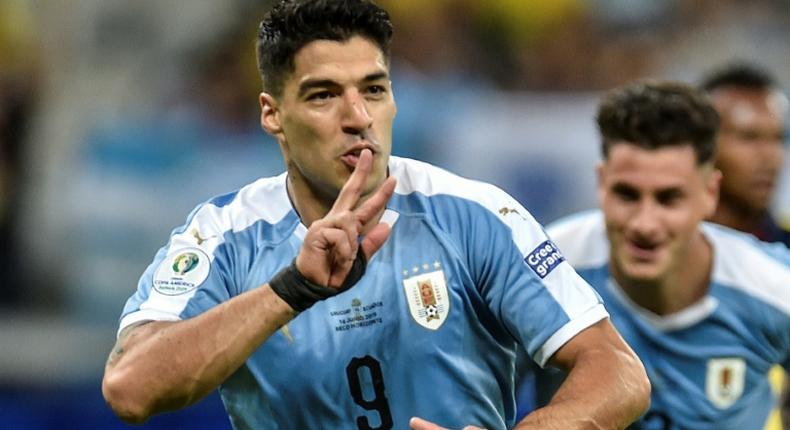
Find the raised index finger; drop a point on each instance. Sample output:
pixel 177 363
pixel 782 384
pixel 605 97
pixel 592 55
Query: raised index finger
pixel 352 189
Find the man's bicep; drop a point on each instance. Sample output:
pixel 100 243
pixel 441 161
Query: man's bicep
pixel 601 335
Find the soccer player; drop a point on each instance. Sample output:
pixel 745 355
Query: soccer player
pixel 360 290
pixel 706 308
pixel 750 153
pixel 751 147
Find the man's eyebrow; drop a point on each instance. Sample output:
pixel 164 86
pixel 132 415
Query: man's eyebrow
pixel 309 84
pixel 375 77
pixel 621 187
pixel 669 192
pixel 315 83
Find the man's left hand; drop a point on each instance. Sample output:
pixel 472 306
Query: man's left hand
pixel 421 424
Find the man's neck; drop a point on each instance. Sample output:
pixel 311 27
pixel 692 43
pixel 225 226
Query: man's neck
pixel 737 217
pixel 684 286
pixel 311 206
pixel 308 205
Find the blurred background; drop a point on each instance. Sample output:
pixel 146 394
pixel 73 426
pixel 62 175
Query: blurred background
pixel 117 118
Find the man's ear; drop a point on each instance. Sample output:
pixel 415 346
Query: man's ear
pixel 270 114
pixel 712 180
pixel 600 175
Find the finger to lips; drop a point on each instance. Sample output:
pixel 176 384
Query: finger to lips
pixel 352 189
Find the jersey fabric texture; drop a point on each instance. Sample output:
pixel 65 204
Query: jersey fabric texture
pixel 707 363
pixel 466 277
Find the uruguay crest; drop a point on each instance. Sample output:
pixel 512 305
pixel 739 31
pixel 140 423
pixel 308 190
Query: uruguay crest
pixel 725 380
pixel 427 297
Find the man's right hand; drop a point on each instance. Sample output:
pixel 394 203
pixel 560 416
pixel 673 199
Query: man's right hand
pixel 331 243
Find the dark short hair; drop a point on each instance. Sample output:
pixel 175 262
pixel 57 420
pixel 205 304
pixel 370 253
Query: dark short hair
pixel 738 74
pixel 657 114
pixel 292 24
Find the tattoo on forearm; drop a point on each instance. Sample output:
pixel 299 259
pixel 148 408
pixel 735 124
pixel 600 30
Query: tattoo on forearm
pixel 116 352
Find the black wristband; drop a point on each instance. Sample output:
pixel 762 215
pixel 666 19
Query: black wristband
pixel 300 293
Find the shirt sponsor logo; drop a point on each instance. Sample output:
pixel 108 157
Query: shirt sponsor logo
pixel 543 259
pixel 181 272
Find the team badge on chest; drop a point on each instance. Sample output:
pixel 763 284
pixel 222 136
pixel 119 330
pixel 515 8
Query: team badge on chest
pixel 426 294
pixel 725 380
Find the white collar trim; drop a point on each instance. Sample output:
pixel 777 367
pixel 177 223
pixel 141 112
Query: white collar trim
pixel 684 318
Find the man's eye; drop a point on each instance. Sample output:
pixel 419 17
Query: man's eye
pixel 322 95
pixel 667 200
pixel 749 135
pixel 627 195
pixel 376 89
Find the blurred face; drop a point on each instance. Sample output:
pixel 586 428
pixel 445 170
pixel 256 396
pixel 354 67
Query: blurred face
pixel 750 145
pixel 337 102
pixel 653 202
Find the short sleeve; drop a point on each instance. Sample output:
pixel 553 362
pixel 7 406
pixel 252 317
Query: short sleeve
pixel 188 276
pixel 525 280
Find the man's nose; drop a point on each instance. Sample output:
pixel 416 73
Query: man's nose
pixel 645 220
pixel 356 116
pixel 771 149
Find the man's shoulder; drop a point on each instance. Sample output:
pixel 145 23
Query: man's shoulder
pixel 581 237
pixel 460 206
pixel 744 263
pixel 418 178
pixel 262 200
pixel 428 179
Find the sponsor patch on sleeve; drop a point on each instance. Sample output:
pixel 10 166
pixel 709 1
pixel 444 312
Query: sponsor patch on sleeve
pixel 543 259
pixel 181 272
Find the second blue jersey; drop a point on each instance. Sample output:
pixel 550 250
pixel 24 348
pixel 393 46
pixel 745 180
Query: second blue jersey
pixel 708 363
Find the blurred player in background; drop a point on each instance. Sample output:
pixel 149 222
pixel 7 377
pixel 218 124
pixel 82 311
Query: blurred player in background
pixel 750 154
pixel 328 298
pixel 750 147
pixel 706 308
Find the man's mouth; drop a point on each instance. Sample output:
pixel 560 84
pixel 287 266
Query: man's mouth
pixel 351 158
pixel 763 183
pixel 642 250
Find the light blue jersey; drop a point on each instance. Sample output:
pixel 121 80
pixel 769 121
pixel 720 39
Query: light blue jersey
pixel 707 363
pixel 466 277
